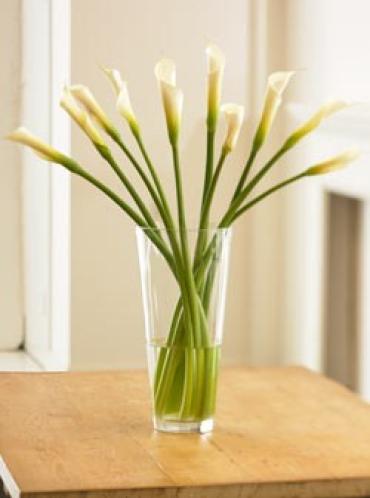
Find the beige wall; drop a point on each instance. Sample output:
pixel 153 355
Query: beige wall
pixel 10 270
pixel 107 318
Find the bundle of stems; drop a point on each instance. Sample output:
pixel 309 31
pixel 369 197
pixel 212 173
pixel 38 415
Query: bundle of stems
pixel 186 371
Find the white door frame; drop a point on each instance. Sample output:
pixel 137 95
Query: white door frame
pixel 46 188
pixel 306 247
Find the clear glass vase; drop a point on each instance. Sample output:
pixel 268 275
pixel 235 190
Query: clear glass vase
pixel 184 302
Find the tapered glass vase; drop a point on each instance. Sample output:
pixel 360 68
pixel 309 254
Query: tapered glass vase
pixel 184 298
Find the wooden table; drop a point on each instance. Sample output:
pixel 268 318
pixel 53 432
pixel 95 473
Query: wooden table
pixel 283 432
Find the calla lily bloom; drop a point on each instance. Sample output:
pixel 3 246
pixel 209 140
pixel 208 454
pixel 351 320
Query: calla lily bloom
pixel 115 78
pixel 80 116
pixel 277 82
pixel 87 100
pixel 334 163
pixel 216 66
pixel 172 97
pixel 234 116
pixel 42 149
pixel 314 121
pixel 123 105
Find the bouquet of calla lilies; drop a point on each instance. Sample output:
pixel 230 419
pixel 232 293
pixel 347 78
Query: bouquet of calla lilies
pixel 192 272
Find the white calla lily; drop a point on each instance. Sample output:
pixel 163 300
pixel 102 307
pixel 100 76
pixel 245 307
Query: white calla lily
pixel 124 107
pixel 115 78
pixel 334 163
pixel 172 97
pixel 234 116
pixel 80 116
pixel 314 121
pixel 23 136
pixel 215 66
pixel 277 82
pixel 123 104
pixel 85 97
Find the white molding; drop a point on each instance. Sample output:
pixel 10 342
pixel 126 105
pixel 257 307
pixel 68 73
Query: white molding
pixel 60 192
pixel 46 190
pixel 350 127
pixel 17 361
pixel 11 487
pixel 352 122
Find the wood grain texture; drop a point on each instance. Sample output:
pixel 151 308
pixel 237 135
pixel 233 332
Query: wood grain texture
pixel 283 432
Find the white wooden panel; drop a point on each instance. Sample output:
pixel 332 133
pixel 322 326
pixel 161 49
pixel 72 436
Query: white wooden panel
pixel 59 352
pixel 11 329
pixel 46 187
pixel 36 175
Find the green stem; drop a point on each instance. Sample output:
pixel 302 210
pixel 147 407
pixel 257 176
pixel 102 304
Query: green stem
pixel 107 155
pixel 212 188
pixel 184 245
pixel 145 179
pixel 166 212
pixel 209 162
pixel 238 200
pixel 155 178
pixel 208 186
pixel 160 202
pixel 245 173
pixel 265 194
pixel 76 169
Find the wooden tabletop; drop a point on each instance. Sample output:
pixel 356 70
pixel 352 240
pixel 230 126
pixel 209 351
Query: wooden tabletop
pixel 280 433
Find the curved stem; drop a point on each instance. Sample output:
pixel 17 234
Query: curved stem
pixel 202 238
pixel 167 216
pixel 265 194
pixel 144 177
pixel 238 200
pixel 184 246
pixel 245 173
pixel 76 169
pixel 107 155
pixel 154 176
pixel 161 201
pixel 209 162
pixel 211 191
pixel 207 185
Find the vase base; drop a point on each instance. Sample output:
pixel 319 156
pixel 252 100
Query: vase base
pixel 176 426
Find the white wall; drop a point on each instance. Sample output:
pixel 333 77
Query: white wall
pixel 11 326
pixel 107 318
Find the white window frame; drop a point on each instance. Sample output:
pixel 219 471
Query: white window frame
pixel 46 189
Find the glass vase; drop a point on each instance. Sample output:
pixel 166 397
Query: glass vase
pixel 184 303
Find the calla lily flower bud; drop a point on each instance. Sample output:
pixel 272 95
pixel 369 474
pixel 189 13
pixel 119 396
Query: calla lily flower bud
pixel 88 101
pixel 315 120
pixel 115 78
pixel 334 163
pixel 234 116
pixel 80 116
pixel 216 66
pixel 45 151
pixel 124 106
pixel 276 85
pixel 125 109
pixel 172 97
